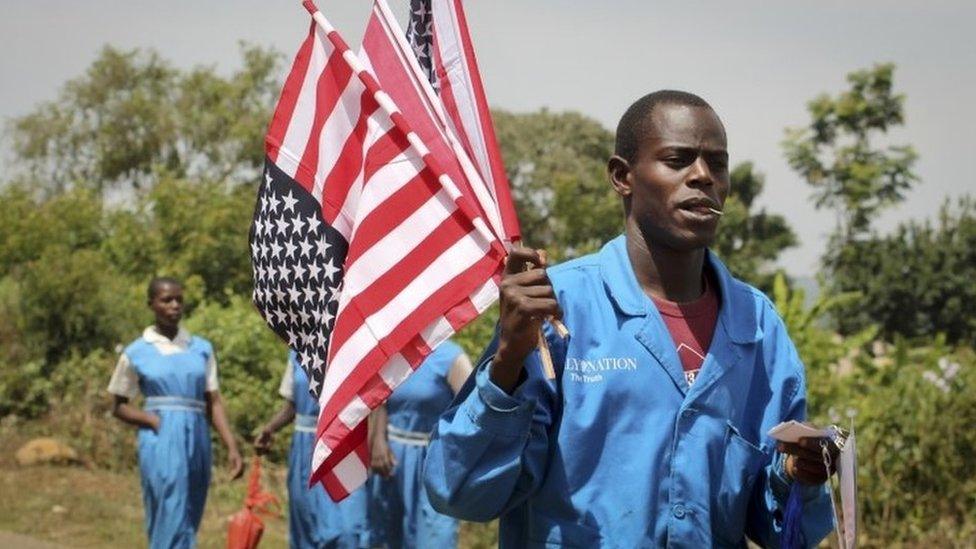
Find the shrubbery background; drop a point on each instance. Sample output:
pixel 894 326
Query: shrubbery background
pixel 139 169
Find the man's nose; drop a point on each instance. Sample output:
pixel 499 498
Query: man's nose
pixel 700 173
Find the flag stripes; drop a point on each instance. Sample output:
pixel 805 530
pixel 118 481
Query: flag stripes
pixel 419 250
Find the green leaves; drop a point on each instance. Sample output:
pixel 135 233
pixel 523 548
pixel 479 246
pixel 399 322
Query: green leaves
pixel 915 282
pixel 837 156
pixel 132 117
pixel 250 359
pixel 556 164
pixel 749 241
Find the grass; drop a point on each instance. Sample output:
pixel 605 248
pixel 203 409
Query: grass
pixel 80 507
pixel 86 506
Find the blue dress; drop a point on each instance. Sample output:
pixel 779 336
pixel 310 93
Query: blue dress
pixel 400 513
pixel 314 520
pixel 175 461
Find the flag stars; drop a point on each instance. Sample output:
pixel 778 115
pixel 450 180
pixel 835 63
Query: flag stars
pixel 322 246
pixel 293 294
pixel 273 201
pixel 290 248
pixel 323 293
pixel 330 270
pixel 313 224
pixel 313 272
pixel 299 271
pixel 283 273
pixel 282 224
pixel 290 201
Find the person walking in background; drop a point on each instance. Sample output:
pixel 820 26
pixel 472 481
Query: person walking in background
pixel 400 514
pixel 314 520
pixel 177 374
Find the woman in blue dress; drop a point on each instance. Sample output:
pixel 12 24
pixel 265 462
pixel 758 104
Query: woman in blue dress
pixel 399 513
pixel 314 520
pixel 177 374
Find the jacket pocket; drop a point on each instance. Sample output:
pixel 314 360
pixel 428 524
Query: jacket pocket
pixel 743 461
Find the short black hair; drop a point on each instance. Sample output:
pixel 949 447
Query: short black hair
pixel 158 281
pixel 632 125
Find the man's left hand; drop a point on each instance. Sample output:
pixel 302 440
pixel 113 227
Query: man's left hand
pixel 805 462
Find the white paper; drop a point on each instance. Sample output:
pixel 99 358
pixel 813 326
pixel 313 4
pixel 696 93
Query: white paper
pixel 793 431
pixel 847 474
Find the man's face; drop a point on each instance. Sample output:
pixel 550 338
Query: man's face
pixel 167 305
pixel 680 173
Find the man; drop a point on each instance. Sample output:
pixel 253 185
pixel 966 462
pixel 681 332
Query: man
pixel 653 432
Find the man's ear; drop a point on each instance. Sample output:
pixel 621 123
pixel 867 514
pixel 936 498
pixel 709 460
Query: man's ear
pixel 618 170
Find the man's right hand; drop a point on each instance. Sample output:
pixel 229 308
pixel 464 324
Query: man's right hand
pixel 526 300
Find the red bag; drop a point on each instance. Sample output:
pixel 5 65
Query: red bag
pixel 246 527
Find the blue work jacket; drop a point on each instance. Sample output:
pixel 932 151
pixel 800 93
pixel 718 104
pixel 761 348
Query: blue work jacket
pixel 618 450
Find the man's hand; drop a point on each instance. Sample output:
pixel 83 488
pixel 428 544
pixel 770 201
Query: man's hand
pixel 235 464
pixel 804 460
pixel 526 299
pixel 154 422
pixel 262 442
pixel 382 459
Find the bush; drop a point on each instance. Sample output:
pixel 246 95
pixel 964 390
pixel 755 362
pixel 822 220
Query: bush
pixel 913 404
pixel 250 362
pixel 916 282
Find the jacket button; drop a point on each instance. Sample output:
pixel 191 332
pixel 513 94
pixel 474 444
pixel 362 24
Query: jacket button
pixel 678 511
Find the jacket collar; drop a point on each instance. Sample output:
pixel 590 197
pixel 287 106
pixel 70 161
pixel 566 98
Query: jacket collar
pixel 737 312
pixel 152 335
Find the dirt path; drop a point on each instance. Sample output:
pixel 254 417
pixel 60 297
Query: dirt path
pixel 17 541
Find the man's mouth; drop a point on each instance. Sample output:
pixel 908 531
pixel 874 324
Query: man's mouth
pixel 701 208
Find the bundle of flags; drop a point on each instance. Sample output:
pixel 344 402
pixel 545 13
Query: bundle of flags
pixel 384 215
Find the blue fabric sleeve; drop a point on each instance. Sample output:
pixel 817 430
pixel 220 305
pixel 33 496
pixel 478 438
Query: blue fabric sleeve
pixel 768 503
pixel 490 449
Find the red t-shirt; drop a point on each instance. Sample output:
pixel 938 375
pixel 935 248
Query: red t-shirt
pixel 691 325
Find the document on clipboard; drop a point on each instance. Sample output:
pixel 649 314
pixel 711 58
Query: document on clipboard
pixel 792 431
pixel 847 476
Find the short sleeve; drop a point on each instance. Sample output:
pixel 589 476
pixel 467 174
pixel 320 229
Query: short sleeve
pixel 212 385
pixel 287 387
pixel 449 353
pixel 125 380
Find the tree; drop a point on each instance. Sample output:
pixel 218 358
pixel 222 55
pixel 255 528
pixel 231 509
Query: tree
pixel 132 116
pixel 194 230
pixel 838 156
pixel 749 242
pixel 915 282
pixel 556 163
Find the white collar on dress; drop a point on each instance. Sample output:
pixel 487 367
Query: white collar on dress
pixel 152 335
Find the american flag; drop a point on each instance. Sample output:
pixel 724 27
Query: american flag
pixel 438 34
pixel 366 253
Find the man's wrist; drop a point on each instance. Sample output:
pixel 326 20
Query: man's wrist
pixel 504 372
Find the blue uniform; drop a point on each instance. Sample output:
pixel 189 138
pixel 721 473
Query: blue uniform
pixel 618 450
pixel 400 513
pixel 175 461
pixel 314 520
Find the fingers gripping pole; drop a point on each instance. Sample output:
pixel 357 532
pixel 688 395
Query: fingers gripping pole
pixel 544 354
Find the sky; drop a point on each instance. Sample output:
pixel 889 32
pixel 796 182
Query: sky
pixel 757 63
